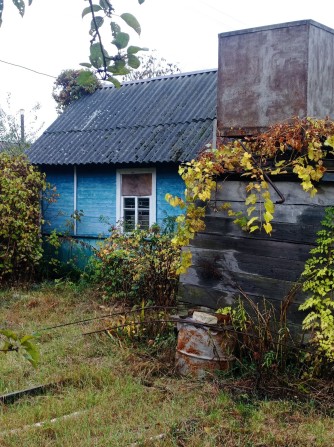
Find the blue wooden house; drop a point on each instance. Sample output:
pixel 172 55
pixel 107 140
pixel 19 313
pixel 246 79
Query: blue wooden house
pixel 115 154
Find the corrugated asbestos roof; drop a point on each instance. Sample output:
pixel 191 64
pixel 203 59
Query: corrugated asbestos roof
pixel 166 119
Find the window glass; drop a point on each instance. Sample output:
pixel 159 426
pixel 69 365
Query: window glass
pixel 144 202
pixel 144 219
pixel 136 192
pixel 136 211
pixel 129 202
pixel 129 220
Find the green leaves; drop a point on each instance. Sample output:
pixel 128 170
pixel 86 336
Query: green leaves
pixel 139 264
pixel 133 50
pixel 115 28
pixel 133 61
pixel 8 333
pixel 30 351
pixel 72 85
pixel 131 21
pixel 88 10
pixel 114 81
pixel 118 68
pixel 97 55
pixel 106 5
pixel 21 245
pixel 20 6
pixel 95 24
pixel 86 79
pixel 24 346
pixel 319 281
pixel 121 40
pixel 99 58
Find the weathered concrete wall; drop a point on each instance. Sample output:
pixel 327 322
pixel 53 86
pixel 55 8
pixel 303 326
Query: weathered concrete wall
pixel 320 89
pixel 273 73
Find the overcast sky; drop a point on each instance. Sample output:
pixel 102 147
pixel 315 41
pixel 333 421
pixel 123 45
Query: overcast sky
pixel 52 36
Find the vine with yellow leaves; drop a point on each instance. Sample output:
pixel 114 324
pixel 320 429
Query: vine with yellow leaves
pixel 298 146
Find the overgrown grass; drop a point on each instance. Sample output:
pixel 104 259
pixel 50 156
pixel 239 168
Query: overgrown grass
pixel 118 395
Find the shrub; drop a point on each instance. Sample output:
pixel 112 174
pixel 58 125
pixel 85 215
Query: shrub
pixel 138 265
pixel 319 282
pixel 72 85
pixel 20 215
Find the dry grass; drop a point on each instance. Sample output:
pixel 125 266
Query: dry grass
pixel 118 395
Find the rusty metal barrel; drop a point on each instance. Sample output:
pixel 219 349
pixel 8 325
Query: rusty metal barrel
pixel 201 349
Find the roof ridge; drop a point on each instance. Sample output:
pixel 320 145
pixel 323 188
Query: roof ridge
pixel 159 78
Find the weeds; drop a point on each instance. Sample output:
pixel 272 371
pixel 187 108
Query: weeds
pixel 119 393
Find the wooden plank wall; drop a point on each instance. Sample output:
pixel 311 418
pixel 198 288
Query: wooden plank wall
pixel 96 197
pixel 168 181
pixel 57 215
pixel 225 257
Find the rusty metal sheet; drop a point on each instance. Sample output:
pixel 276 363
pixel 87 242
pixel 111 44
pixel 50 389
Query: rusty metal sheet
pixel 201 350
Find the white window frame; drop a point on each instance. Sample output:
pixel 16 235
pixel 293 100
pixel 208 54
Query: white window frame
pixel 152 197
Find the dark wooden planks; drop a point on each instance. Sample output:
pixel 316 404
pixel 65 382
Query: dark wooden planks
pixel 226 259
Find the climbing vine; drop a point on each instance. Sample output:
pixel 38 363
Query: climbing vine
pixel 319 281
pixel 298 146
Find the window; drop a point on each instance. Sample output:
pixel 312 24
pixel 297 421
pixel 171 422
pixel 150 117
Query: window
pixel 136 198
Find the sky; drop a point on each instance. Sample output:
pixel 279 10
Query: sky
pixel 52 37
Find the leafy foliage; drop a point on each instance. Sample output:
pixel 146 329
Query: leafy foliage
pixel 20 215
pixel 102 15
pixel 72 85
pixel 263 337
pixel 20 5
pixel 106 65
pixel 10 129
pixel 138 265
pixel 24 345
pixel 319 280
pixel 298 146
pixel 151 66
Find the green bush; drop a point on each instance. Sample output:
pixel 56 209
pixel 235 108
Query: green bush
pixel 137 266
pixel 319 283
pixel 20 215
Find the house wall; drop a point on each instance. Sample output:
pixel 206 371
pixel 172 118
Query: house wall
pixel 92 190
pixel 57 215
pixel 225 258
pixel 96 197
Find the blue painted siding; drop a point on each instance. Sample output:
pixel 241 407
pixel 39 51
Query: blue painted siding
pixel 58 215
pixel 168 181
pixel 96 197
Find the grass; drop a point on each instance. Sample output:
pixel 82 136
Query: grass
pixel 120 395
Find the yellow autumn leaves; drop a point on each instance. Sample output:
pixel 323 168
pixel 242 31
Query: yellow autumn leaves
pixel 298 146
